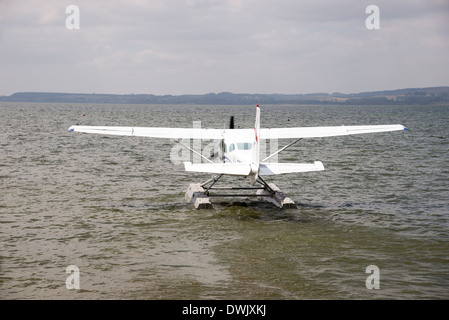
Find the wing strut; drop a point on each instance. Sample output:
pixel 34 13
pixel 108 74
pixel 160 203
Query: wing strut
pixel 195 152
pixel 282 149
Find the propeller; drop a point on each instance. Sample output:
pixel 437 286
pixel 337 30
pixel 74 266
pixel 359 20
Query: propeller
pixel 219 143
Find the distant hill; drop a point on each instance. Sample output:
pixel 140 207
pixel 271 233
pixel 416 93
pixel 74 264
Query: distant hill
pixel 410 96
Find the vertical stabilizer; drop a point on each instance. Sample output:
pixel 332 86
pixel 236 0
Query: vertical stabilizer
pixel 257 135
pixel 254 174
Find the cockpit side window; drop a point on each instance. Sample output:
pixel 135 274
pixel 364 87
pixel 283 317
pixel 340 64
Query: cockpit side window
pixel 231 147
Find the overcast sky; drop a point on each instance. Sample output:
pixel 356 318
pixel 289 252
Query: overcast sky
pixel 241 46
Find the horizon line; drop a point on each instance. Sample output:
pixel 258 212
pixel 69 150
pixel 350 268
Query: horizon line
pixel 229 92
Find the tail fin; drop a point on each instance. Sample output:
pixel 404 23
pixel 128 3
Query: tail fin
pixel 257 137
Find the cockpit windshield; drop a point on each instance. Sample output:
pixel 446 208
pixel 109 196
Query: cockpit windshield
pixel 244 145
pixel 238 145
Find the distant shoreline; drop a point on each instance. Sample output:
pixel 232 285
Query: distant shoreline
pixel 409 96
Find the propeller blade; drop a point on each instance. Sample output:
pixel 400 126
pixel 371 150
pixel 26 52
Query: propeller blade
pixel 231 123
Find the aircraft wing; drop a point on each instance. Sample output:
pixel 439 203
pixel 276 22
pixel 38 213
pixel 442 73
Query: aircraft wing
pixel 318 132
pixel 170 133
pixel 207 134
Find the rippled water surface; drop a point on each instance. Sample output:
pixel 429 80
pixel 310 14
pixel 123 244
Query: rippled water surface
pixel 114 207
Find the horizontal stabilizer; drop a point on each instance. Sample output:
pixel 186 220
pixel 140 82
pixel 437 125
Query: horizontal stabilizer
pixel 280 168
pixel 238 169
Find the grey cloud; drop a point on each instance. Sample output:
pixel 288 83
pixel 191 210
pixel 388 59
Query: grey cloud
pixel 200 46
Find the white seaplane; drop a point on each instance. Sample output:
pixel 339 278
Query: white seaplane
pixel 239 153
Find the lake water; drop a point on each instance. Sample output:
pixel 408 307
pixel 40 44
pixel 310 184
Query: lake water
pixel 115 208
